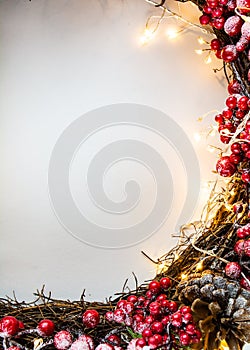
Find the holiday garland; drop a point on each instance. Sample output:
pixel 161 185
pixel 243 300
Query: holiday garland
pixel 200 299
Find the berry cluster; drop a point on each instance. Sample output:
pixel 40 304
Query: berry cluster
pixel 221 15
pixel 150 319
pixel 156 320
pixel 237 107
pixel 235 269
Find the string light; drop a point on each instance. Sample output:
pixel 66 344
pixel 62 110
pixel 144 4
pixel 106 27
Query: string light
pixel 208 59
pixel 183 276
pixel 199 266
pixel 147 36
pixel 197 136
pixel 172 33
pixel 201 41
pixel 199 51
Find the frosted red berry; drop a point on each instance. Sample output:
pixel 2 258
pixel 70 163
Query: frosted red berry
pixel 91 318
pixel 225 167
pixel 9 325
pixel 229 53
pixel 233 270
pixel 62 340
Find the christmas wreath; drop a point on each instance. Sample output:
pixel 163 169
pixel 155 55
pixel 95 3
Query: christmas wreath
pixel 200 298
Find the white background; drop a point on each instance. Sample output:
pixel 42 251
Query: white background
pixel 59 60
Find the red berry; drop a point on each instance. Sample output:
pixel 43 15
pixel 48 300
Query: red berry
pixel 114 339
pixel 229 53
pixel 245 176
pixel 207 9
pixel 154 287
pixel 46 327
pixel 243 6
pixel 236 148
pixel 165 282
pixel 91 318
pixel 185 309
pixel 140 342
pixel 204 20
pixel 149 319
pixel 186 318
pixel 172 306
pixel 119 316
pixel 190 329
pixel 245 283
pixel 102 346
pixel 157 327
pixel 154 341
pixel 231 102
pixel 242 247
pixel 219 118
pixel 121 304
pixel 85 342
pixel 237 208
pixel 132 298
pixel 234 87
pixel 215 44
pixel 218 23
pixel 233 25
pixel 13 348
pixel 233 270
pixel 227 113
pixel 9 325
pixel 185 339
pixel 109 316
pixel 235 158
pixel 243 103
pixel 165 320
pixel 217 12
pixel 146 333
pixel 62 340
pixel 154 308
pixel 245 30
pixel 225 167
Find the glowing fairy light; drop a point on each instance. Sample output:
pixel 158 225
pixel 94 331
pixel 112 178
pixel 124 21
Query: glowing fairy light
pixel 183 276
pixel 201 41
pixel 199 266
pixel 199 52
pixel 208 59
pixel 147 36
pixel 197 136
pixel 172 33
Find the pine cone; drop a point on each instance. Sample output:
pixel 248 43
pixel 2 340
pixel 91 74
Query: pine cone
pixel 221 306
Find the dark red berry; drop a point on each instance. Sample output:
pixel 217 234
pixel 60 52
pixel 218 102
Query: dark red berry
pixel 165 282
pixel 46 327
pixel 225 167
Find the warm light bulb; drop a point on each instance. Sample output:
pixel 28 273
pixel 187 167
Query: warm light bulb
pixel 147 36
pixel 210 149
pixel 201 41
pixel 197 136
pixel 208 59
pixel 199 52
pixel 183 276
pixel 199 266
pixel 172 33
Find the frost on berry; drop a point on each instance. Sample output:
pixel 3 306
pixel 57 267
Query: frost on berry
pixel 62 340
pixel 9 325
pixel 233 25
pixel 104 346
pixel 84 342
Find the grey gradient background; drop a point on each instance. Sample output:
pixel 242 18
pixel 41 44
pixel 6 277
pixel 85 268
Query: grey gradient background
pixel 60 61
